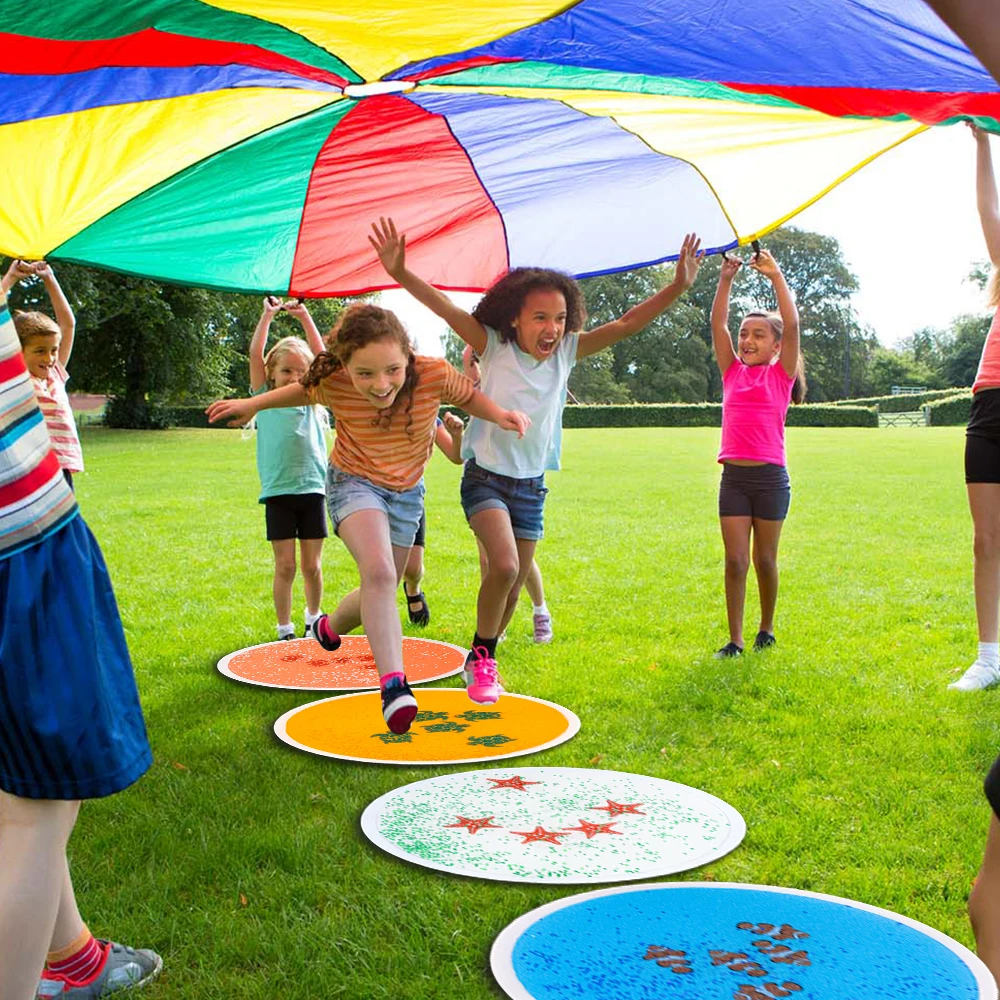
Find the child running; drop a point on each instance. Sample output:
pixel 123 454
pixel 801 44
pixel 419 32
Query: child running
pixel 385 400
pixel 71 727
pixel 47 345
pixel 448 438
pixel 982 446
pixel 525 330
pixel 291 462
pixel 759 380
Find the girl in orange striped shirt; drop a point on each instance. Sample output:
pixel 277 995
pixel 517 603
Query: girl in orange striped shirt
pixel 385 401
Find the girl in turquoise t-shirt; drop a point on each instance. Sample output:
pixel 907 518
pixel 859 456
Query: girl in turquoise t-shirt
pixel 291 461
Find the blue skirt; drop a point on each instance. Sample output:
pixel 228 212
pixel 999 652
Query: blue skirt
pixel 70 722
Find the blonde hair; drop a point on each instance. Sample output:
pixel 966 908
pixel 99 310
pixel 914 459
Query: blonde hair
pixel 993 288
pixel 34 324
pixel 287 345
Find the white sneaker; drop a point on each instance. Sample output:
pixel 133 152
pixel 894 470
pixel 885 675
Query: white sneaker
pixel 977 678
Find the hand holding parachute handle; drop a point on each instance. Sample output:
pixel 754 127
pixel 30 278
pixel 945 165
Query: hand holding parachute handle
pixel 588 137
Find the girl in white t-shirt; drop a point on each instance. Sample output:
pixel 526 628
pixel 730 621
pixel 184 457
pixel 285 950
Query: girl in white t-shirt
pixel 525 331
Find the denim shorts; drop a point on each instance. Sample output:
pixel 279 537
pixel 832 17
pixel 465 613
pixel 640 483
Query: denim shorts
pixel 761 491
pixel 347 494
pixel 523 499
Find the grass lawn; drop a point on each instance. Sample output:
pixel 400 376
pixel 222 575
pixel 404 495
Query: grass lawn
pixel 241 860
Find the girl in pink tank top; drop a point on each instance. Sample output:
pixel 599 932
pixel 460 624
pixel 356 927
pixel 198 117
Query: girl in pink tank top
pixel 759 380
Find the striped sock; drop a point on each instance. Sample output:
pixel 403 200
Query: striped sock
pixel 80 961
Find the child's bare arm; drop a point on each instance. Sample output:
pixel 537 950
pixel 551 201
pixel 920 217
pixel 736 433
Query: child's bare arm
pixel 722 341
pixel 768 266
pixel 258 374
pixel 313 337
pixel 18 269
pixel 62 308
pixel 391 249
pixel 483 407
pixel 986 195
pixel 640 316
pixel 237 412
pixel 448 437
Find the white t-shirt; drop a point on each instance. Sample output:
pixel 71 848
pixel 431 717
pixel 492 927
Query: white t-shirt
pixel 517 381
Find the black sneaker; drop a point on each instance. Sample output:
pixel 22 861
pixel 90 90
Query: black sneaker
pixel 729 651
pixel 763 640
pixel 325 635
pixel 399 707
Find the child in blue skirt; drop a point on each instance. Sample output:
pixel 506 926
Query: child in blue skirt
pixel 70 723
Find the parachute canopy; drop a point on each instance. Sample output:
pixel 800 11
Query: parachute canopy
pixel 248 144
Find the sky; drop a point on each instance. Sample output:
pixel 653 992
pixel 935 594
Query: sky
pixel 908 228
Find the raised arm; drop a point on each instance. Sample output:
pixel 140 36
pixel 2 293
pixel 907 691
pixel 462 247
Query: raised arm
pixel 391 249
pixel 768 266
pixel 258 373
pixel 448 437
pixel 722 341
pixel 302 314
pixel 640 316
pixel 237 412
pixel 509 420
pixel 18 269
pixel 986 195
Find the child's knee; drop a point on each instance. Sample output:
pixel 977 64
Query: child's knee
pixel 766 564
pixel 504 568
pixel 737 564
pixel 986 543
pixel 55 817
pixel 284 567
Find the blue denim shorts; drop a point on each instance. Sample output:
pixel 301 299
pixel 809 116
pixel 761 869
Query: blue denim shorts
pixel 523 499
pixel 347 494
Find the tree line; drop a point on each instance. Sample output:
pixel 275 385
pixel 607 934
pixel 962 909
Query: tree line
pixel 149 344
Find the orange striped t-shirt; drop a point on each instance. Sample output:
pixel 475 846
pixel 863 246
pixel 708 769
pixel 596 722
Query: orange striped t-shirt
pixel 54 403
pixel 389 455
pixel 988 376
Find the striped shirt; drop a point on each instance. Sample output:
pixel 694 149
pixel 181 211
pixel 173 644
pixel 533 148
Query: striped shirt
pixel 35 499
pixel 52 398
pixel 393 456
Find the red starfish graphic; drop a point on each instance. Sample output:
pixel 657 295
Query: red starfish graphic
pixel 592 829
pixel 516 782
pixel 617 808
pixel 473 825
pixel 539 833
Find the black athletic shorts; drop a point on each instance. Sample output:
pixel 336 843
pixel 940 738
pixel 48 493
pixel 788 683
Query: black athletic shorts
pixel 762 491
pixel 991 786
pixel 421 536
pixel 982 438
pixel 295 515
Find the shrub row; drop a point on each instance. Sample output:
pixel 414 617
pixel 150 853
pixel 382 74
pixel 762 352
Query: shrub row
pixel 633 415
pixel 901 403
pixel 951 411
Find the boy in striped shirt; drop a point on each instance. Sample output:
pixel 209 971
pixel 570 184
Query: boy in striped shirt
pixel 47 345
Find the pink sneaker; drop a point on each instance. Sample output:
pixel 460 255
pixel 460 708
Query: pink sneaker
pixel 482 686
pixel 543 628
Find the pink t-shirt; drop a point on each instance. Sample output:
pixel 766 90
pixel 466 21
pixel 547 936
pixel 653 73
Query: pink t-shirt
pixel 988 376
pixel 54 404
pixel 755 399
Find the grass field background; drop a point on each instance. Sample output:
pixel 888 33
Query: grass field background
pixel 859 774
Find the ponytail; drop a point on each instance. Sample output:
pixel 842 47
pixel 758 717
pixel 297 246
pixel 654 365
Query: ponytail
pixel 799 388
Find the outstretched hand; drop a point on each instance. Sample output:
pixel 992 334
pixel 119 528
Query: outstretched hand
pixel 763 262
pixel 236 412
pixel 390 247
pixel 514 420
pixel 689 261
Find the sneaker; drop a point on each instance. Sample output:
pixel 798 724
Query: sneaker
pixel 763 640
pixel 124 968
pixel 728 651
pixel 308 633
pixel 483 685
pixel 324 634
pixel 977 678
pixel 399 707
pixel 286 637
pixel 543 628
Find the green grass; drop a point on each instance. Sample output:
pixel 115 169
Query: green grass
pixel 241 860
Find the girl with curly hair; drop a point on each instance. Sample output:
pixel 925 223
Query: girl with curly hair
pixel 385 401
pixel 526 331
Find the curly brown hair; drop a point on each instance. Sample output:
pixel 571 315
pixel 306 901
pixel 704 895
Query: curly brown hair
pixel 358 326
pixel 777 325
pixel 502 303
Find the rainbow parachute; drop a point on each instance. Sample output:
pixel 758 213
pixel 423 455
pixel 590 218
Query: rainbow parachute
pixel 247 144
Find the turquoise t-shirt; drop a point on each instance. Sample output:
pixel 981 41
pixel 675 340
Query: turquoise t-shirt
pixel 291 450
pixel 517 381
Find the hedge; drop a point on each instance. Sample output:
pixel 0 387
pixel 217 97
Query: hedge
pixel 949 412
pixel 900 403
